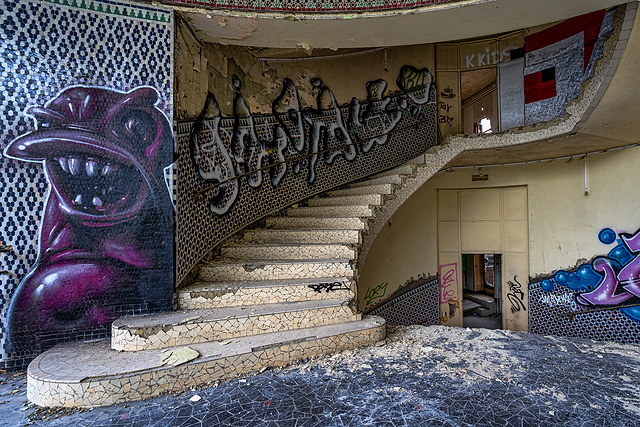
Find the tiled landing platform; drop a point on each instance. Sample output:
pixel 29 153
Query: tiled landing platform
pixel 91 374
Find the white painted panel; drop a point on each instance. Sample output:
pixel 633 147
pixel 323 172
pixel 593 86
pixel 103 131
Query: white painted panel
pixel 511 94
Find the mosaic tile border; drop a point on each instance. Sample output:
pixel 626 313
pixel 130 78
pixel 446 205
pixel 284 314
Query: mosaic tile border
pixel 314 6
pixel 127 10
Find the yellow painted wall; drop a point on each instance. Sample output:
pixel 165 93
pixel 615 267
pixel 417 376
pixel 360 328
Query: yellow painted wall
pixel 563 223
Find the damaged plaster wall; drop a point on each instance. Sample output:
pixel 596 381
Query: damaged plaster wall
pixel 202 67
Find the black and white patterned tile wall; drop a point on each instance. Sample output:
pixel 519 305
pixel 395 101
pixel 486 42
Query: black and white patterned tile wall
pixel 419 306
pixel 235 170
pixel 86 104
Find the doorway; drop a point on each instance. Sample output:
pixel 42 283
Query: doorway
pixel 482 291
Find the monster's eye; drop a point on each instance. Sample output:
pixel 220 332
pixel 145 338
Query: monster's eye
pixel 136 127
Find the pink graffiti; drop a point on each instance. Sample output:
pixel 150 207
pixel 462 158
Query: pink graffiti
pixel 628 278
pixel 448 283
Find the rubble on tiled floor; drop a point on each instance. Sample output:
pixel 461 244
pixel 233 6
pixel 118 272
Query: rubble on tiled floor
pixel 422 376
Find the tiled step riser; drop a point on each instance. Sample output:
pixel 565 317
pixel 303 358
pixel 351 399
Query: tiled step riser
pixel 322 236
pixel 310 223
pixel 331 212
pixel 226 272
pixel 267 252
pixel 401 170
pixel 366 199
pixel 164 336
pixel 194 300
pixel 389 179
pixel 155 382
pixel 370 189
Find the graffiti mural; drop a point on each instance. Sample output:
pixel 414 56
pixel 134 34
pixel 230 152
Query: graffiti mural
pixel 85 109
pixel 607 286
pixel 106 236
pixel 295 139
pixel 236 169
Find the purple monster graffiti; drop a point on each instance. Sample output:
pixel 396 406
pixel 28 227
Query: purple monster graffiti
pixel 608 282
pixel 106 243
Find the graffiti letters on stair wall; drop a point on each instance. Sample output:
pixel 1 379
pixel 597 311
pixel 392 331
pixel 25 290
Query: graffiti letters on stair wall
pixel 257 149
pixel 598 300
pixel 241 168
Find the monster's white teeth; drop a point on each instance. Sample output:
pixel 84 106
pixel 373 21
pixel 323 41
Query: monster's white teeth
pixel 97 202
pixel 74 166
pixel 63 164
pixel 78 199
pixel 107 170
pixel 90 167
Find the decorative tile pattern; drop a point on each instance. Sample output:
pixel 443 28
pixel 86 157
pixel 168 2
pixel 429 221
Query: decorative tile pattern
pixel 199 326
pixel 269 270
pixel 550 314
pixel 325 6
pixel 216 294
pixel 255 252
pixel 47 46
pixel 420 306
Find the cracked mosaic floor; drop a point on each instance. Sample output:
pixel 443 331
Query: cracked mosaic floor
pixel 421 376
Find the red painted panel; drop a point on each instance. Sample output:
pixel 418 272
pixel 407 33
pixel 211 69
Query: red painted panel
pixel 590 24
pixel 536 90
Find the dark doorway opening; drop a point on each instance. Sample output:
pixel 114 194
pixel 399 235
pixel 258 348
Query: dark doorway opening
pixel 482 291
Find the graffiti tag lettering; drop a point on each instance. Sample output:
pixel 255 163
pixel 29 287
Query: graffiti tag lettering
pixel 375 293
pixel 330 287
pixel 515 295
pixel 256 147
pixel 488 57
pixel 448 283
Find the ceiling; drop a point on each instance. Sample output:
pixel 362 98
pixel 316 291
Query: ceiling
pixel 436 23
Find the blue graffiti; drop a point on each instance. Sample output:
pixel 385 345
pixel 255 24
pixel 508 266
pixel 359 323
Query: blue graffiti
pixel 608 281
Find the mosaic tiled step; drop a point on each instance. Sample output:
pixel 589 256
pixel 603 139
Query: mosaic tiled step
pixel 406 169
pixel 331 211
pixel 207 295
pixel 369 189
pixel 177 328
pixel 279 251
pixel 361 199
pixel 389 179
pixel 91 374
pixel 274 270
pixel 302 236
pixel 321 223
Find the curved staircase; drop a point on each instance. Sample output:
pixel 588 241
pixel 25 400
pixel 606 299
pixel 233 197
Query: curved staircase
pixel 272 297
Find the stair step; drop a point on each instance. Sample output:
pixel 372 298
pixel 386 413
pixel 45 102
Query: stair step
pixel 274 270
pixel 360 199
pixel 369 189
pixel 208 295
pixel 279 251
pixel 177 328
pixel 321 223
pixel 468 306
pixel 302 236
pixel 91 374
pixel 389 179
pixel 406 169
pixel 332 211
pixel 487 301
